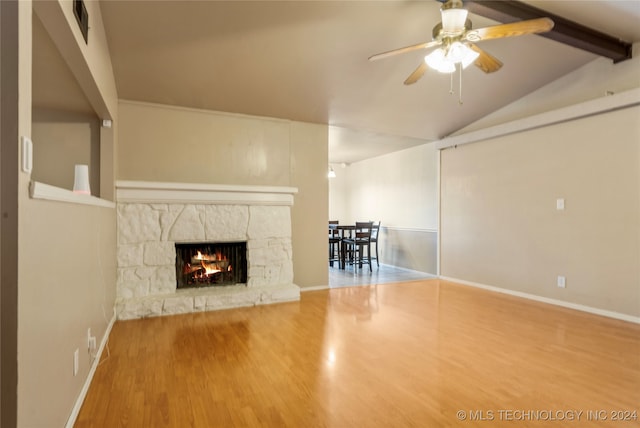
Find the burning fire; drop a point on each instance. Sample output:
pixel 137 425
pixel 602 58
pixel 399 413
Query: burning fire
pixel 204 265
pixel 210 269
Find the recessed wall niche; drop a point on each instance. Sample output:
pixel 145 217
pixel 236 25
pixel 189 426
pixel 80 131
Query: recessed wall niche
pixel 65 129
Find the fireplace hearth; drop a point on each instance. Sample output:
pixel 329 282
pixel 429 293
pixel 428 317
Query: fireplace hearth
pixel 211 264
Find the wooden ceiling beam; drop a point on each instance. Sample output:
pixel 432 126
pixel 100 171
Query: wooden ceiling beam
pixel 564 30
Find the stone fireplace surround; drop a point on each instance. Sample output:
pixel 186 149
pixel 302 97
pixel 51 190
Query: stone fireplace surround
pixel 153 216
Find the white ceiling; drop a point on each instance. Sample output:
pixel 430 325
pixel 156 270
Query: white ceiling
pixel 307 61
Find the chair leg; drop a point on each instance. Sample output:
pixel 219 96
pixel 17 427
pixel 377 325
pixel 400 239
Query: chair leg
pixel 347 255
pixel 331 255
pixel 377 257
pixel 346 251
pixel 369 257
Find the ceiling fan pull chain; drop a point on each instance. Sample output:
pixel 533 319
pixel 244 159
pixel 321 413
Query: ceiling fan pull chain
pixel 451 84
pixel 460 90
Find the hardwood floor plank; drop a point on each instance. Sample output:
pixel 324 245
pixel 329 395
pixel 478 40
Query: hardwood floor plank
pixel 411 354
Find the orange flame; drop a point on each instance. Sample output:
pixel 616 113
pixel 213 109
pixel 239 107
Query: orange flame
pixel 210 269
pixel 209 264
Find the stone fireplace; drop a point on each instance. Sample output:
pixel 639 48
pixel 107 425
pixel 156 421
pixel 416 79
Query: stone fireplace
pixel 154 217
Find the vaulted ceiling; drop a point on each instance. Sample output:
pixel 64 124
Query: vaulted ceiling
pixel 307 61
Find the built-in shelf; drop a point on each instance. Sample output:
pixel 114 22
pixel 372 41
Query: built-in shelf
pixel 39 190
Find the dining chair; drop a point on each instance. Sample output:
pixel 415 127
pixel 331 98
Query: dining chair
pixel 335 242
pixel 375 230
pixel 358 243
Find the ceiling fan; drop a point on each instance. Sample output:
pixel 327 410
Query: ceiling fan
pixel 456 40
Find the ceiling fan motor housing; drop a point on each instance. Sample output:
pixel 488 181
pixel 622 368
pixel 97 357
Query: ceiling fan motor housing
pixel 438 33
pixel 451 4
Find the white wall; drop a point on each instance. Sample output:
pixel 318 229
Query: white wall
pixel 499 223
pixel 175 144
pixel 400 190
pixel 500 226
pixel 66 252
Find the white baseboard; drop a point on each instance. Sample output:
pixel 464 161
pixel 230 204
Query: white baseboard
pixel 315 288
pixel 85 388
pixel 583 308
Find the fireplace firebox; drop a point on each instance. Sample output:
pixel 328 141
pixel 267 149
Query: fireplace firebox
pixel 211 264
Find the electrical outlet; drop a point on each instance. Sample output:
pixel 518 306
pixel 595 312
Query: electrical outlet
pixel 92 343
pixel 76 361
pixel 562 282
pixel 89 338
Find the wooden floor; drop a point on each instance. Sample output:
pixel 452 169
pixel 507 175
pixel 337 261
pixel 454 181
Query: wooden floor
pixel 379 274
pixel 416 354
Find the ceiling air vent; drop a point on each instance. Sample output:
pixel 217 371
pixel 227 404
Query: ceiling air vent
pixel 80 11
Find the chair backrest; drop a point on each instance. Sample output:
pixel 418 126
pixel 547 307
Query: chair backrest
pixel 363 230
pixel 333 229
pixel 374 230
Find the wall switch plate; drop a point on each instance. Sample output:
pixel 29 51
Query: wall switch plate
pixel 76 361
pixel 27 154
pixel 562 282
pixel 560 204
pixel 91 340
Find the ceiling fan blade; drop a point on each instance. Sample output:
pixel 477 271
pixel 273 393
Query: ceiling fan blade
pixel 531 26
pixel 393 52
pixel 485 62
pixel 417 74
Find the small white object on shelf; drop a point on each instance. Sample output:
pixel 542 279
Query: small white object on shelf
pixel 81 182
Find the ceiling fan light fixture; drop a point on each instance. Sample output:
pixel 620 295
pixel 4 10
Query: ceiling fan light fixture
pixel 453 20
pixel 454 41
pixel 445 60
pixel 461 53
pixel 438 61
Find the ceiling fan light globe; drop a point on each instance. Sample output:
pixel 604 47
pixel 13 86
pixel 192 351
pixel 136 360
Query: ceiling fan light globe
pixel 469 58
pixel 455 53
pixel 438 62
pixel 453 20
pixel 461 53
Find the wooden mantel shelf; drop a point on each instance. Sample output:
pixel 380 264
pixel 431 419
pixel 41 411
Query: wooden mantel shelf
pixel 161 192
